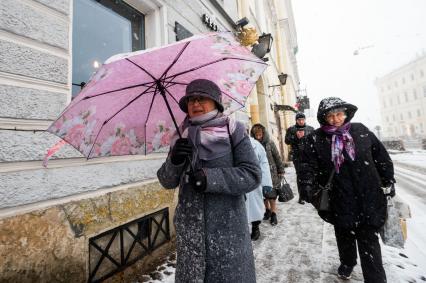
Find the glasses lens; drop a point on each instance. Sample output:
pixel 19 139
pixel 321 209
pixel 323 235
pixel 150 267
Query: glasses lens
pixel 199 99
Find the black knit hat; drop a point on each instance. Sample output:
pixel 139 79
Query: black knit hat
pixel 202 87
pixel 300 115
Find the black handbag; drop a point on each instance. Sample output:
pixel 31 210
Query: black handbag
pixel 284 191
pixel 321 199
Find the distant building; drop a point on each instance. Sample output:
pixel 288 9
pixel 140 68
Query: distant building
pixel 402 96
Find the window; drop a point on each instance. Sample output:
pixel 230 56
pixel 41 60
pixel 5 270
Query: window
pixel 396 84
pixel 422 74
pixel 409 115
pixel 403 81
pixel 406 96
pixel 384 103
pixel 102 28
pixel 393 117
pixel 389 87
pixel 387 119
pixel 133 241
pixel 401 116
pixel 390 101
pixel 424 90
pixel 414 94
pixel 419 112
pixel 412 77
pixel 399 100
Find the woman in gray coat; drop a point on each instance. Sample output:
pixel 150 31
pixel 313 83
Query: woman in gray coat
pixel 214 166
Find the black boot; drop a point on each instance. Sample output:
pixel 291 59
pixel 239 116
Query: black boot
pixel 345 271
pixel 267 215
pixel 255 232
pixel 274 220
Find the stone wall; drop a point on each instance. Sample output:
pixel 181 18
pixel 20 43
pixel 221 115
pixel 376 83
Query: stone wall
pixel 51 244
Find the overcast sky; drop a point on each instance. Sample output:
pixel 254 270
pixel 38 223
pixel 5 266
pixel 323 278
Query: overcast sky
pixel 328 33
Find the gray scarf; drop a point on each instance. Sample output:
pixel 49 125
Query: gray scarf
pixel 209 135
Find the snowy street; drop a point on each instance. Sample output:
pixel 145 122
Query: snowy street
pixel 302 248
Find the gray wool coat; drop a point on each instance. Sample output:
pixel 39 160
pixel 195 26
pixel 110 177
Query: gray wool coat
pixel 212 236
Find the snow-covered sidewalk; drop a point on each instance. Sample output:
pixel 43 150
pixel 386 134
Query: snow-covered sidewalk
pixel 302 248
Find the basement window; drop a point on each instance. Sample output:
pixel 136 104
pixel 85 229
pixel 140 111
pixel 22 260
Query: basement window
pixel 113 251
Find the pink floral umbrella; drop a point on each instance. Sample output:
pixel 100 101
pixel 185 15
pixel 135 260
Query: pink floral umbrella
pixel 130 105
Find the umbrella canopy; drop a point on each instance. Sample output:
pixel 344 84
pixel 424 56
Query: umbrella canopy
pixel 130 105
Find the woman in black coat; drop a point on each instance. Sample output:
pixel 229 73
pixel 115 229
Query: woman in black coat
pixel 362 169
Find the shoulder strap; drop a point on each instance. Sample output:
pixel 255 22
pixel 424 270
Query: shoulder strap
pixel 330 178
pixel 230 136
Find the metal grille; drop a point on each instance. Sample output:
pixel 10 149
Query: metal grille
pixel 118 248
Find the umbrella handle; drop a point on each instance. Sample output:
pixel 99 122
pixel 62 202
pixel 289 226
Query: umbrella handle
pixel 191 167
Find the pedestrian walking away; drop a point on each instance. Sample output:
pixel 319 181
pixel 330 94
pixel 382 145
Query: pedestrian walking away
pixel 276 167
pixel 254 202
pixel 214 165
pixel 362 169
pixel 295 137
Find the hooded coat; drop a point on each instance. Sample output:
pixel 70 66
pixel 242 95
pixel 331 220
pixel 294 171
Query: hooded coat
pixel 212 237
pixel 276 165
pixel 254 202
pixel 356 197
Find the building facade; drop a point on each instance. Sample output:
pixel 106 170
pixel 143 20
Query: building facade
pixel 276 18
pixel 402 96
pixel 79 220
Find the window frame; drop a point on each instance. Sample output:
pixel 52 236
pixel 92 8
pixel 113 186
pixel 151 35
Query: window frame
pixel 126 11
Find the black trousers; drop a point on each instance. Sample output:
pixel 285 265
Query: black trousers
pixel 368 248
pixel 296 163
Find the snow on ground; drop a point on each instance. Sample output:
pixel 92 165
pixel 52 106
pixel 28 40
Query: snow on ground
pixel 302 248
pixel 413 158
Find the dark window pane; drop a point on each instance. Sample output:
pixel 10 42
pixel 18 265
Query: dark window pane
pixel 100 30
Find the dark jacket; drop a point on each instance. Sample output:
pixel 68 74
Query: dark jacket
pixel 212 237
pixel 297 144
pixel 357 197
pixel 276 165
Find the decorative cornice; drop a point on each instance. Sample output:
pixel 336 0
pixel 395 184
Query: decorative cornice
pixel 7 167
pixel 24 124
pixel 27 82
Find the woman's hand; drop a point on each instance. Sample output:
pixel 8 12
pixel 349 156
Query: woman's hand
pixel 181 151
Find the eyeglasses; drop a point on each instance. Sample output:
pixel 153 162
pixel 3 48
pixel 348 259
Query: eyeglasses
pixel 200 99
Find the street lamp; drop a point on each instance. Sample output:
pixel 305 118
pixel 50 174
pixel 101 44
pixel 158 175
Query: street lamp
pixel 263 46
pixel 282 78
pixel 242 22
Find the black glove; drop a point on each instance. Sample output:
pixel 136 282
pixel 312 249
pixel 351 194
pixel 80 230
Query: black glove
pixel 198 180
pixel 266 190
pixel 180 151
pixel 389 190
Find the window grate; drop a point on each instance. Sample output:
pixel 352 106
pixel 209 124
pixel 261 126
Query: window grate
pixel 112 251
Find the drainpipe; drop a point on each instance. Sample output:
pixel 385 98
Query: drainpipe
pixel 281 121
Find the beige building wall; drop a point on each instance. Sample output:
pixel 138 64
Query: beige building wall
pixel 275 17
